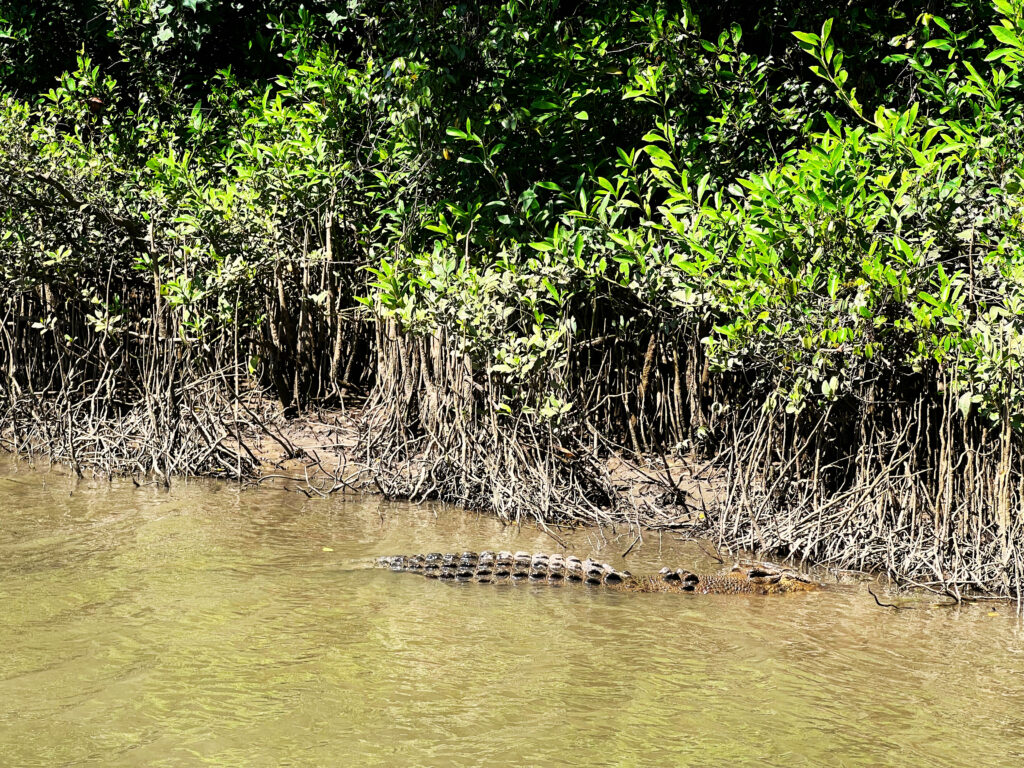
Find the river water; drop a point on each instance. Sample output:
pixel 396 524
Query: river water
pixel 210 626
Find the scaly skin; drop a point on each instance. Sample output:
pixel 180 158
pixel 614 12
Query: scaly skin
pixel 491 567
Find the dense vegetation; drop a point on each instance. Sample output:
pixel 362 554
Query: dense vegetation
pixel 530 235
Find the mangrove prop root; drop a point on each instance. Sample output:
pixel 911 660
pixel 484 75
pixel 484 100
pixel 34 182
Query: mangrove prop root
pixel 904 487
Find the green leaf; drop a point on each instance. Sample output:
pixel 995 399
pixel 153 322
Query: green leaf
pixel 826 30
pixel 834 124
pixel 659 157
pixel 807 37
pixel 1006 36
pixel 1000 53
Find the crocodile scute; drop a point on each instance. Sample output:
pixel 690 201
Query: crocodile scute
pixel 746 577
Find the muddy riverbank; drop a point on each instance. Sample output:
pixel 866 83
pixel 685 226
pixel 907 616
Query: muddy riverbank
pixel 723 503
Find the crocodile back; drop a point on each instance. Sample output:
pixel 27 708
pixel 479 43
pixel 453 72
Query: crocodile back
pixel 493 567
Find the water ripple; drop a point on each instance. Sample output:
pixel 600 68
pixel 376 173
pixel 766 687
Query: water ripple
pixel 206 626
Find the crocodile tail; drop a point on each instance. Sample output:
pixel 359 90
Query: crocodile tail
pixel 491 567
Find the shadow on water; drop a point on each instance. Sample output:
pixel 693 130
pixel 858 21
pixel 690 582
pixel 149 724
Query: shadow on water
pixel 209 626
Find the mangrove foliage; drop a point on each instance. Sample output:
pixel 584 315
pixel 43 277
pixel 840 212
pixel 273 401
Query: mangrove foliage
pixel 778 244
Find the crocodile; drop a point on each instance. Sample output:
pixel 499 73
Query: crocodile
pixel 745 577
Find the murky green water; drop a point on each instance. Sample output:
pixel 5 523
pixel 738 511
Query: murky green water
pixel 205 626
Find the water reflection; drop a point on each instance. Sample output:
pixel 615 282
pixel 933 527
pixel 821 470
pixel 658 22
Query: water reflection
pixel 210 626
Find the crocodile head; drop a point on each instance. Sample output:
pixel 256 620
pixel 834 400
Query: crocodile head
pixel 747 577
